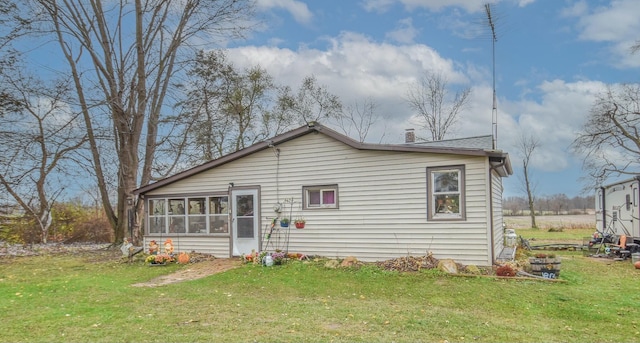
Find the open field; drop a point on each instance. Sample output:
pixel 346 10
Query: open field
pixel 565 229
pixel 546 222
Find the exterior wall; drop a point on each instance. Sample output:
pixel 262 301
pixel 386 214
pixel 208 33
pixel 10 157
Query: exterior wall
pixel 218 246
pixel 498 227
pixel 382 200
pixel 618 207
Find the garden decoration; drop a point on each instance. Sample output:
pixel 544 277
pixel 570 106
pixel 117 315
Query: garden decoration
pixel 183 258
pixel 153 247
pixel 168 246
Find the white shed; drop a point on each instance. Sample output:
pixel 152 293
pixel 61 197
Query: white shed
pixel 371 201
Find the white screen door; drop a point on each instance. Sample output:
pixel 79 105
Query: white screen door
pixel 244 215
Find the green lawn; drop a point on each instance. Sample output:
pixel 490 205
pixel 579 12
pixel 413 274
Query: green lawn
pixel 80 298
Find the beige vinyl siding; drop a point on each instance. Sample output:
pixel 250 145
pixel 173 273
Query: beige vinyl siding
pixel 217 246
pixel 382 199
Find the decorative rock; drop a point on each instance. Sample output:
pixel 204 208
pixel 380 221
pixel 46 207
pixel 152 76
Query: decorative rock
pixel 349 261
pixel 448 266
pixel 472 269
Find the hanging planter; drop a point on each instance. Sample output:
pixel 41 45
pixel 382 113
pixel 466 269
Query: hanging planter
pixel 284 222
pixel 299 222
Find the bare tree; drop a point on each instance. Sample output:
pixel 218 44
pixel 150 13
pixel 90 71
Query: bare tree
pixel 38 138
pixel 559 203
pixel 527 144
pixel 437 112
pixel 312 102
pixel 609 141
pixel 359 117
pixel 123 58
pixel 228 109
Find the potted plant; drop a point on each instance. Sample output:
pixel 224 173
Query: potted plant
pixel 299 222
pixel 159 260
pixel 545 265
pixel 278 257
pixel 284 222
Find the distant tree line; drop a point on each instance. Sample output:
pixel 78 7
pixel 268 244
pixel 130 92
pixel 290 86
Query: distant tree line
pixel 555 204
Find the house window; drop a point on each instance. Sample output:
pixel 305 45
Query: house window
pixel 219 214
pixel 445 192
pixel 176 216
pixel 197 215
pixel 190 215
pixel 316 197
pixel 157 216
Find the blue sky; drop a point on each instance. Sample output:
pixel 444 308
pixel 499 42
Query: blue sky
pixel 552 57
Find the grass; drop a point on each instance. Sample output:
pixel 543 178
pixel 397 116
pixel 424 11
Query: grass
pixel 71 298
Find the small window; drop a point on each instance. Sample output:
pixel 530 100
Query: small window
pixel 316 197
pixel 445 192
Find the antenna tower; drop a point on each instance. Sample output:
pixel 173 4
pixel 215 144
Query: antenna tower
pixel 494 114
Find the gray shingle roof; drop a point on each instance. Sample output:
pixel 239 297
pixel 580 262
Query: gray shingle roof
pixel 478 142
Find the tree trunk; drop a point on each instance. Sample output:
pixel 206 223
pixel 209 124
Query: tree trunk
pixel 532 210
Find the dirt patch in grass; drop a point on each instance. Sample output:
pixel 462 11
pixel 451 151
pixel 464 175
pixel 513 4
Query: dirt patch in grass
pixel 194 271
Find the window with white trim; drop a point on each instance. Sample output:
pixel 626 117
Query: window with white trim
pixel 201 215
pixel 445 192
pixel 318 197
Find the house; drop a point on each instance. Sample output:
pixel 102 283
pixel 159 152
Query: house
pixel 371 201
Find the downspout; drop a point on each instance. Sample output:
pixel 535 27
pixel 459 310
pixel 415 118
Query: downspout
pixel 604 209
pixel 491 221
pixel 636 206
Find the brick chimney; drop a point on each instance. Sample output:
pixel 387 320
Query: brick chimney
pixel 409 136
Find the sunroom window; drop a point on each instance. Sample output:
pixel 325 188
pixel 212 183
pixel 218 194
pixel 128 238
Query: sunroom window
pixel 189 215
pixel 445 191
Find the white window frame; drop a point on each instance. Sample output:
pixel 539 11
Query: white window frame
pixel 187 216
pixel 441 210
pixel 322 189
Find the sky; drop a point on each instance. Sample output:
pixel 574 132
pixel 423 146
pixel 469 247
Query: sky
pixel 551 59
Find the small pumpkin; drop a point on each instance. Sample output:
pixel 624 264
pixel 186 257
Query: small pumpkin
pixel 183 258
pixel 637 264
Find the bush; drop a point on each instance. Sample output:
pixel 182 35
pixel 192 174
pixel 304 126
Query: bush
pixel 20 230
pixel 71 223
pixel 505 270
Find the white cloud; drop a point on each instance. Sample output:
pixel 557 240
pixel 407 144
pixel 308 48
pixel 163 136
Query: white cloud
pixel 578 9
pixel 470 6
pixel 297 9
pixel 434 5
pixel 566 106
pixel 355 67
pixel 404 33
pixel 524 3
pixel 616 24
